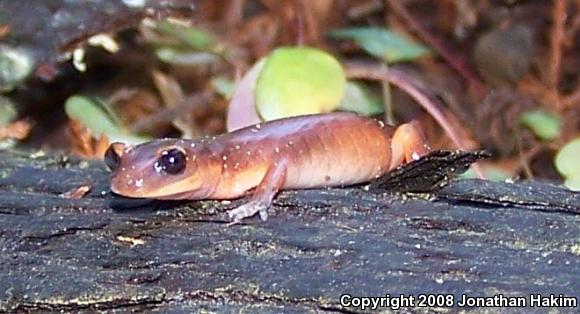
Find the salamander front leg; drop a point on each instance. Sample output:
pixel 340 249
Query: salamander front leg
pixel 263 194
pixel 408 144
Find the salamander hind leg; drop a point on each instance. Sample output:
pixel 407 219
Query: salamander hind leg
pixel 263 194
pixel 408 144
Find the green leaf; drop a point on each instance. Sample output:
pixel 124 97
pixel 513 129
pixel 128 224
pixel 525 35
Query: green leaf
pixel 297 81
pixel 567 159
pixel 382 43
pixel 573 183
pixel 223 86
pixel 90 113
pixel 180 56
pixel 358 98
pixel 194 37
pixel 545 125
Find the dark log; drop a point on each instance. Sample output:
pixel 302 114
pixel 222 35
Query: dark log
pixel 103 252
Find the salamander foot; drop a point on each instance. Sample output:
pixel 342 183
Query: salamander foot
pixel 248 210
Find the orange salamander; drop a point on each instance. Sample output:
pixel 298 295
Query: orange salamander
pixel 309 151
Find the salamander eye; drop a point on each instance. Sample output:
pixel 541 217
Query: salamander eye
pixel 171 161
pixel 113 155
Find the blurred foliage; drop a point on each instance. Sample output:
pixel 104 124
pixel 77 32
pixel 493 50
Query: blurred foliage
pixel 545 125
pixel 491 172
pixel 223 86
pixel 382 43
pixel 92 114
pixel 15 65
pixel 191 36
pixel 358 98
pixel 8 112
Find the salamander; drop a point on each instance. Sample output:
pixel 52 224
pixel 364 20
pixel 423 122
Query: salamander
pixel 310 151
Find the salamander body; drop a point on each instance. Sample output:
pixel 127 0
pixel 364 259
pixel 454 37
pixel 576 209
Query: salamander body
pixel 308 151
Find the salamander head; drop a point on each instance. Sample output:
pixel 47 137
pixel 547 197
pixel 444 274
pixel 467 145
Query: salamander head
pixel 164 169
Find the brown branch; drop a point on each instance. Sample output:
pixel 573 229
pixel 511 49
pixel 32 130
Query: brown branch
pixel 456 62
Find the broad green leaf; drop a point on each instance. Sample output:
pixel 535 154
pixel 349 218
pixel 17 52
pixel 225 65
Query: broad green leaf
pixel 544 124
pixel 296 81
pixel 573 183
pixel 567 159
pixel 358 98
pixel 382 43
pixel 90 113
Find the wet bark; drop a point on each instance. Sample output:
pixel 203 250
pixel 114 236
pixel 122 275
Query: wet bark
pixel 103 252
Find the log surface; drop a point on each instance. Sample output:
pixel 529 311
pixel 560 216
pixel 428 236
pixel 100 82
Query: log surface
pixel 103 252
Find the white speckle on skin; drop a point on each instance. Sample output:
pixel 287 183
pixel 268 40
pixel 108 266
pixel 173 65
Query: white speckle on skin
pixel 290 143
pixel 258 126
pixel 224 157
pixel 248 153
pixel 192 145
pixel 139 182
pixel 236 165
pixel 277 149
pixel 415 156
pixel 381 124
pixel 133 167
pixel 237 147
pixel 254 130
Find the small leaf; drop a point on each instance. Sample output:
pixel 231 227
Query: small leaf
pixel 382 43
pixel 296 81
pixel 223 86
pixel 567 159
pixel 544 124
pixel 91 114
pixel 179 56
pixel 194 37
pixel 358 98
pixel 492 173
